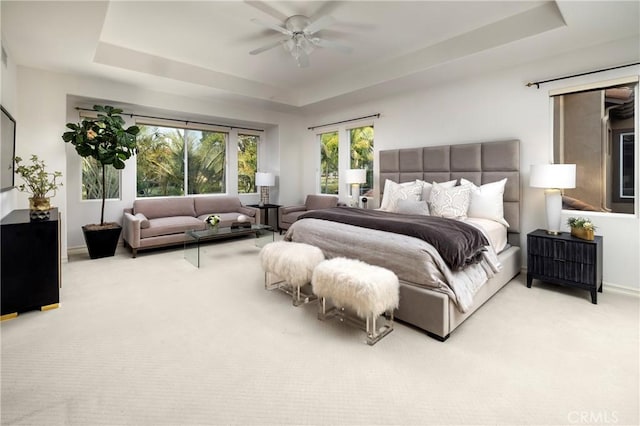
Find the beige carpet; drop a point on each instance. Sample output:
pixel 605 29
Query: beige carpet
pixel 155 341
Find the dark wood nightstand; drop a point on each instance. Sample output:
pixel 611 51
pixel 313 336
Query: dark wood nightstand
pixel 566 260
pixel 265 218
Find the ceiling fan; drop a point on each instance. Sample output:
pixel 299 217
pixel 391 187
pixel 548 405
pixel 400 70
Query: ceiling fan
pixel 300 40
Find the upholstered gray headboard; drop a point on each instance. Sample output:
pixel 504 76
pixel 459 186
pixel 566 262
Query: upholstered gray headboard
pixel 479 163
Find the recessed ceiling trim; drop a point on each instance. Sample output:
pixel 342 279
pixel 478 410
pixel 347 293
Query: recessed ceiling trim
pixel 120 57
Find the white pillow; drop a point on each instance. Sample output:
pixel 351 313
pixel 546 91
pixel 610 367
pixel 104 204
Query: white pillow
pixel 426 188
pixel 487 200
pixel 396 191
pixel 386 195
pixel 450 202
pixel 412 207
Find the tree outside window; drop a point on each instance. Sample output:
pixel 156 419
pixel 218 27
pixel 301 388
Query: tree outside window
pixel 92 180
pixel 163 153
pixel 329 163
pixel 247 163
pixel 361 141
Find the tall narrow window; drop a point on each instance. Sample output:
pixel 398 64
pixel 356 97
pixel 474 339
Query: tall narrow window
pixel 177 161
pixel 361 155
pixel 329 163
pixel 92 180
pixel 247 163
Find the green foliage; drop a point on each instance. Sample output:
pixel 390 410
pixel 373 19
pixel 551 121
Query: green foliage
pixel 247 163
pixel 362 153
pixel 92 184
pixel 161 161
pixel 105 140
pixel 329 150
pixel 38 182
pixel 581 222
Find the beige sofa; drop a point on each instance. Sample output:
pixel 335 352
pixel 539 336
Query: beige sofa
pixel 288 215
pixel 159 222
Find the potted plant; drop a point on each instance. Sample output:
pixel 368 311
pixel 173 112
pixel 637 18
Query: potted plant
pixel 110 144
pixel 39 183
pixel 582 228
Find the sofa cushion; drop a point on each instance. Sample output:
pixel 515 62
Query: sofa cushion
pixel 171 225
pixel 291 217
pixel 315 202
pixel 216 204
pixel 164 207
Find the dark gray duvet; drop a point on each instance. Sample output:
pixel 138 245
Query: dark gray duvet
pixel 458 243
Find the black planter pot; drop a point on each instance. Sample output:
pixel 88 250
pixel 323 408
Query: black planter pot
pixel 101 242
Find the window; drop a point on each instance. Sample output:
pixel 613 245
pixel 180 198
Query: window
pixel 361 149
pixel 594 128
pixel 247 163
pixel 179 161
pixel 329 163
pixel 92 180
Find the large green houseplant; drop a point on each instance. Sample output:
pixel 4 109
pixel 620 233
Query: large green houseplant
pixel 105 140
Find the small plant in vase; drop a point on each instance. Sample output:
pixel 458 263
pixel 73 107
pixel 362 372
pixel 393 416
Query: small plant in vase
pixel 582 228
pixel 212 220
pixel 37 182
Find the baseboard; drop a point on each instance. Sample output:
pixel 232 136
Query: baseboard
pixel 621 289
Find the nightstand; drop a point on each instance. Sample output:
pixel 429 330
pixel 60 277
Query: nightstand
pixel 264 219
pixel 566 260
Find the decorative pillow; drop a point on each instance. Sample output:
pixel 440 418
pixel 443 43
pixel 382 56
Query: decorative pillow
pixel 450 202
pixel 396 191
pixel 426 188
pixel 144 222
pixel 487 200
pixel 389 186
pixel 412 207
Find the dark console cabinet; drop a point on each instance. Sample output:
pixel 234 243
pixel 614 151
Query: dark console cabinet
pixel 30 263
pixel 563 259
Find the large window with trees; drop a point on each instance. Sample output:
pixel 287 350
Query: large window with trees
pixel 329 151
pixel 361 149
pixel 247 163
pixel 179 161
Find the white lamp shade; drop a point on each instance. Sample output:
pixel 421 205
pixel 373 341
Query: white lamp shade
pixel 355 176
pixel 552 176
pixel 265 179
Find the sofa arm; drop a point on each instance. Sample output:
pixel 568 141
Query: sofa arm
pixel 131 231
pixel 291 209
pixel 249 211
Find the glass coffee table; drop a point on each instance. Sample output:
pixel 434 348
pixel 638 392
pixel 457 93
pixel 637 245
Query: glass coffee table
pixel 194 238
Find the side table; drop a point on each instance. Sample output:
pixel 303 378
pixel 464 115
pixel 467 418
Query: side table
pixel 264 219
pixel 566 260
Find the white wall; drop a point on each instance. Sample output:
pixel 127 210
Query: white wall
pixel 44 110
pixel 8 95
pixel 493 107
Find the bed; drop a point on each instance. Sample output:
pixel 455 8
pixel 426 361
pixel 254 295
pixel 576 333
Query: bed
pixel 431 296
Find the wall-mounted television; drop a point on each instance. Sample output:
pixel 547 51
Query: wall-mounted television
pixel 7 150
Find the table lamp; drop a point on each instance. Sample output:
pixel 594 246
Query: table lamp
pixel 354 177
pixel 554 178
pixel 264 180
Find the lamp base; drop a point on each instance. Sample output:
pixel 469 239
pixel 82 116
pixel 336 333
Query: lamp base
pixel 264 196
pixel 553 201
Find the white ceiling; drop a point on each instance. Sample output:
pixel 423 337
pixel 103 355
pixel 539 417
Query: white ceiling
pixel 201 48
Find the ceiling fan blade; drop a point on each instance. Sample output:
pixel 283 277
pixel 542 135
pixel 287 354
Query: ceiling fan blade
pixel 331 45
pixel 272 26
pixel 268 46
pixel 319 24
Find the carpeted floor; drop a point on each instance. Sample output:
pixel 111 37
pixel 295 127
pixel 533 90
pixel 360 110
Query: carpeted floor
pixel 156 341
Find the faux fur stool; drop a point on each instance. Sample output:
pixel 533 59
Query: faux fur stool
pixel 289 266
pixel 368 290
